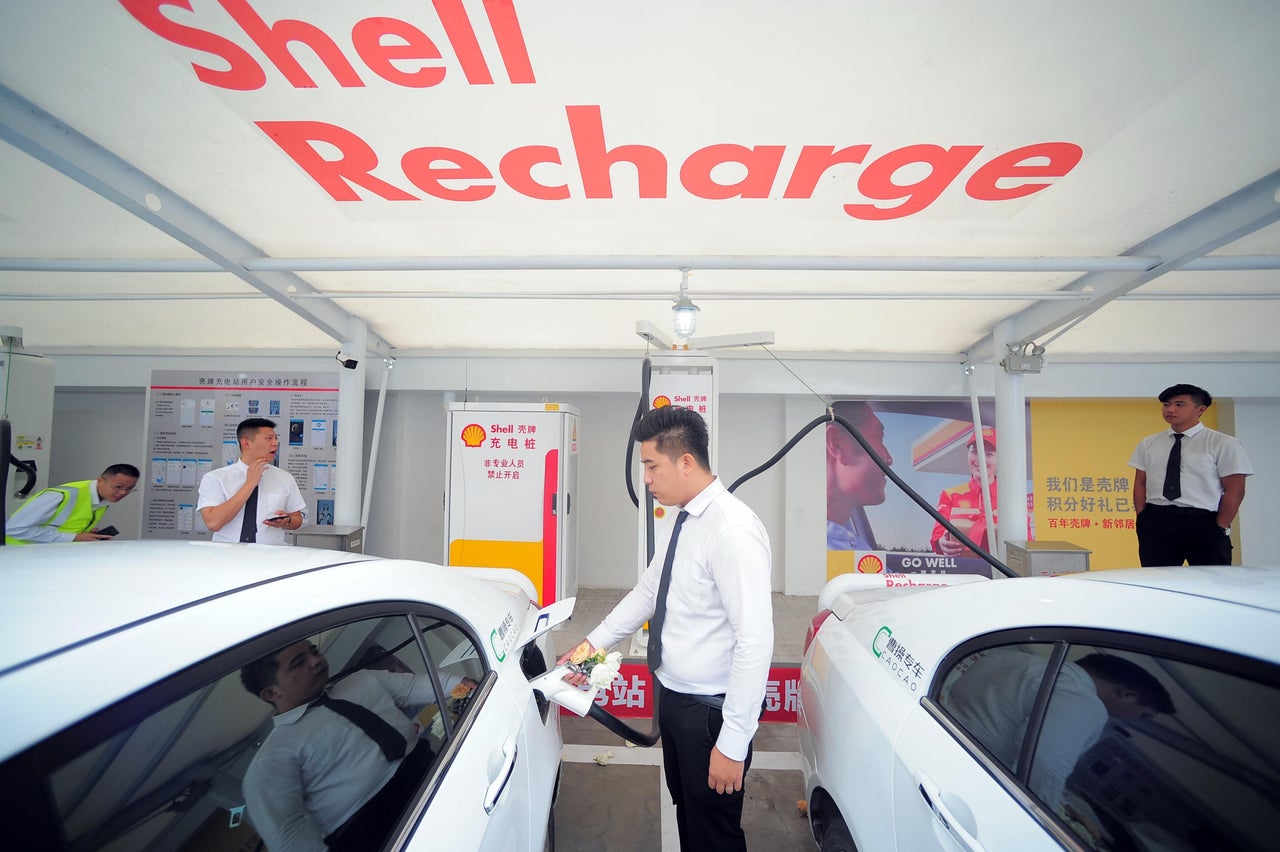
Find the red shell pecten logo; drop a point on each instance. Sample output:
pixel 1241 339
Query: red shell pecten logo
pixel 870 564
pixel 661 401
pixel 473 435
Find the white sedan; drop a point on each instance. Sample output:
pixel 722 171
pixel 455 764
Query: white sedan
pixel 128 723
pixel 1122 710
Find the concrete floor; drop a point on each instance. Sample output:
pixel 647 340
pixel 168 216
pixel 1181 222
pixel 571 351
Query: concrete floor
pixel 623 805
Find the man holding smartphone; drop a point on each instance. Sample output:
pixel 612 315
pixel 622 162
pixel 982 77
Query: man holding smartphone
pixel 252 500
pixel 71 512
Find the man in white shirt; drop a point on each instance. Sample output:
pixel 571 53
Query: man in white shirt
pixel 320 780
pixel 717 635
pixel 1185 509
pixel 271 494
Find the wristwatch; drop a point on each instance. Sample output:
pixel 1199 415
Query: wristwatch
pixel 1225 530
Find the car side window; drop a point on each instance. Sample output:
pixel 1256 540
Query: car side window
pixel 459 667
pixel 1129 747
pixel 1185 756
pixel 992 692
pixel 247 753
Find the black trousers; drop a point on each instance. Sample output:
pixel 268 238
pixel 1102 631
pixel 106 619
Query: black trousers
pixel 1171 535
pixel 368 827
pixel 707 821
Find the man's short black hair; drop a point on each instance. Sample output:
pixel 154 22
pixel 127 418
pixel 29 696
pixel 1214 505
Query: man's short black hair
pixel 1122 672
pixel 261 673
pixel 126 469
pixel 675 430
pixel 252 425
pixel 1199 396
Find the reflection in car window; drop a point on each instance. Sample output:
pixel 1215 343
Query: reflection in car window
pixel 993 692
pixel 180 777
pixel 1132 751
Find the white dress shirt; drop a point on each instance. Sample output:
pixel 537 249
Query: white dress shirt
pixel 316 768
pixel 276 490
pixel 1207 456
pixel 718 633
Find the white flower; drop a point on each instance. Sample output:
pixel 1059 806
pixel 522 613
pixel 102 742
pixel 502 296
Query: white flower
pixel 603 673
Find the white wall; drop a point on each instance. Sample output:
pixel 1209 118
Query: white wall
pixel 93 429
pixel 99 419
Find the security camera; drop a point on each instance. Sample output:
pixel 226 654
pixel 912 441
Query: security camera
pixel 349 363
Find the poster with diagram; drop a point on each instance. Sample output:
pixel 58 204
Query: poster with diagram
pixel 191 428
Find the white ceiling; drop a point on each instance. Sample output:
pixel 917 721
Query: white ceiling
pixel 144 207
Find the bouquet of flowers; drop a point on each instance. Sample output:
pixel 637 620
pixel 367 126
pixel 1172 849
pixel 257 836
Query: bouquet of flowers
pixel 599 667
pixel 459 697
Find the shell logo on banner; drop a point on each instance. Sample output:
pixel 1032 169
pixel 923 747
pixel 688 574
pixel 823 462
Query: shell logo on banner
pixel 659 512
pixel 870 564
pixel 473 435
pixel 661 401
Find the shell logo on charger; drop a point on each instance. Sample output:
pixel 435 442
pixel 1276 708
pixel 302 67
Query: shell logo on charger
pixel 870 564
pixel 661 401
pixel 473 435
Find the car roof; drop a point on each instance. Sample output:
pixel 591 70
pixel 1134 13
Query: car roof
pixel 52 597
pixel 1251 586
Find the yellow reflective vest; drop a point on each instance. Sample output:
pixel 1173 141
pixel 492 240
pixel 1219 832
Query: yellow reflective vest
pixel 75 514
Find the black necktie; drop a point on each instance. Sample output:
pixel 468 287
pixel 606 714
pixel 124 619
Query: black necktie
pixel 1173 473
pixel 249 523
pixel 660 605
pixel 377 728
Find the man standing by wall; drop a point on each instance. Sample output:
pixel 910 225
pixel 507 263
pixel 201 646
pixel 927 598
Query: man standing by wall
pixel 71 512
pixel 252 500
pixel 711 632
pixel 1188 485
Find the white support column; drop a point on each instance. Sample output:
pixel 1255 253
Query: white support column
pixel 1011 446
pixel 351 384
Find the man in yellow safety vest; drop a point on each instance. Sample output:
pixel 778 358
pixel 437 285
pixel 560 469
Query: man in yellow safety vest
pixel 71 512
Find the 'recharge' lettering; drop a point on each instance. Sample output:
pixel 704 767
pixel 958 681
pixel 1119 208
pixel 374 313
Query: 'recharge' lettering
pixel 877 181
pixel 594 161
pixel 762 167
pixel 1055 159
pixel 335 177
pixel 420 167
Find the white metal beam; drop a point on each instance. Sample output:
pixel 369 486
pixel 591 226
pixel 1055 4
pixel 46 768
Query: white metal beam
pixel 53 142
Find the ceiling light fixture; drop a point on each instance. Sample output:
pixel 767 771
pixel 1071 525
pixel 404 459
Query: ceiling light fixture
pixel 684 313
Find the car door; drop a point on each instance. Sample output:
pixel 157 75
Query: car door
pixel 950 795
pixel 1087 739
pixel 482 797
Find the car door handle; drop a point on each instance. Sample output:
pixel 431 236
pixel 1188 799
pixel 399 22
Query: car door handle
pixel 933 798
pixel 494 791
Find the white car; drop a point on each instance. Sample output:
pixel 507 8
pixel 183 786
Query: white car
pixel 127 726
pixel 1124 710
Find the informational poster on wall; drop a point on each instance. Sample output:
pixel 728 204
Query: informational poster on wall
pixel 191 429
pixel 873 526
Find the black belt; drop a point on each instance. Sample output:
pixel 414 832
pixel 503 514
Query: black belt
pixel 716 701
pixel 1183 509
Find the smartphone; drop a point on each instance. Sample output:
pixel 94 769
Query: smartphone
pixel 275 520
pixel 108 531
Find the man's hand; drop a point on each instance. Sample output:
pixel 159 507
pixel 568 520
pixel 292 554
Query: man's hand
pixel 580 651
pixel 254 476
pixel 724 775
pixel 91 535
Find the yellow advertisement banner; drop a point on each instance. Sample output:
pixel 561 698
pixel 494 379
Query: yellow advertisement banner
pixel 1083 481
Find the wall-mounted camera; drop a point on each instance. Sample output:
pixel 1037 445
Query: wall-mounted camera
pixel 349 363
